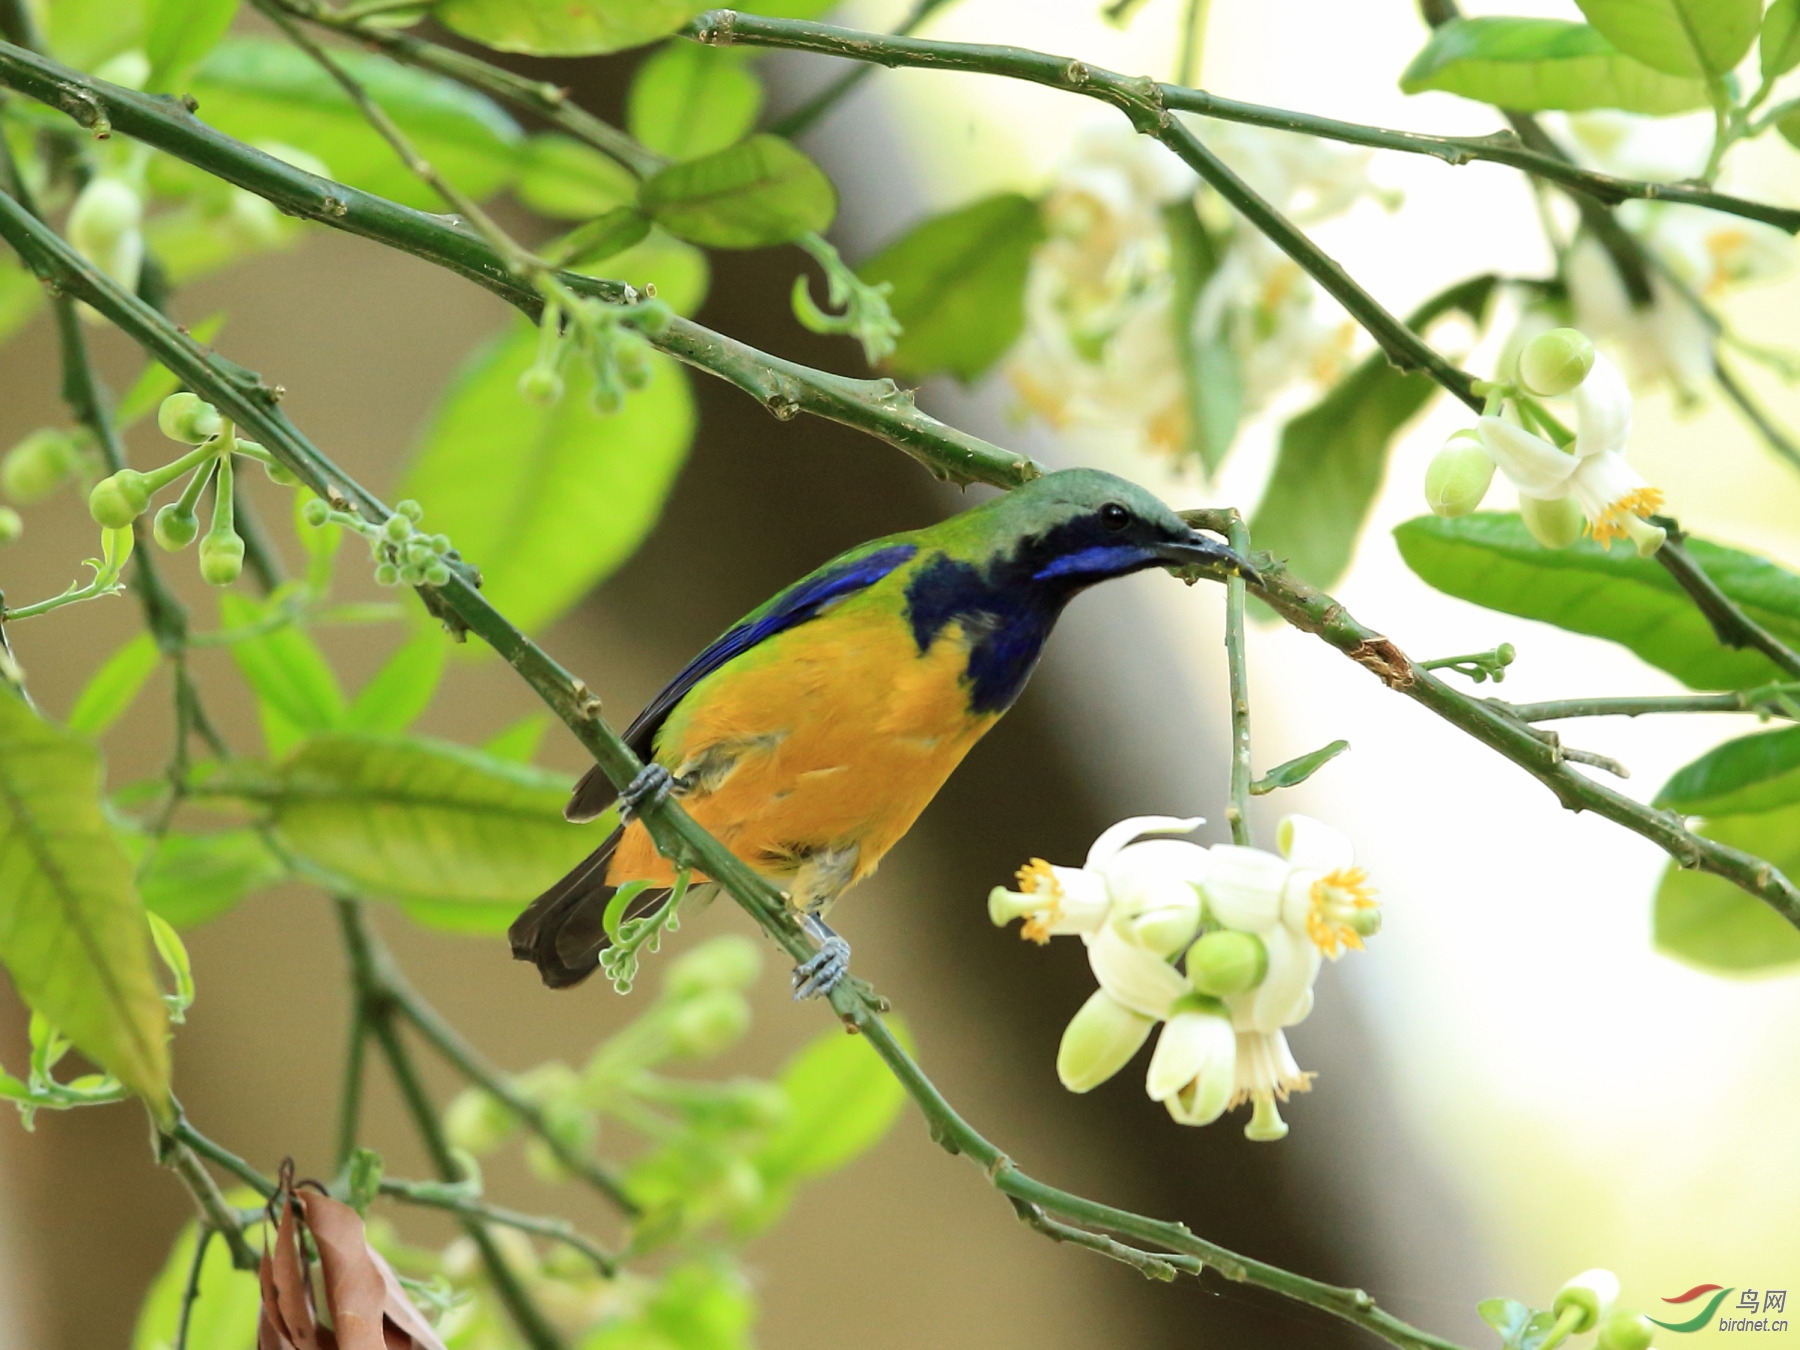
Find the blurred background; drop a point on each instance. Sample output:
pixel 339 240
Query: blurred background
pixel 1513 1086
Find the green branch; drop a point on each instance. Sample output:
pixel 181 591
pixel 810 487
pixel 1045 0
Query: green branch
pixel 1237 814
pixel 1771 700
pixel 803 118
pixel 1141 101
pixel 459 1199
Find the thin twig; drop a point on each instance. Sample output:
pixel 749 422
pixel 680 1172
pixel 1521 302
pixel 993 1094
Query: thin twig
pixel 1237 814
pixel 1730 624
pixel 1773 700
pixel 438 1195
pixel 190 1292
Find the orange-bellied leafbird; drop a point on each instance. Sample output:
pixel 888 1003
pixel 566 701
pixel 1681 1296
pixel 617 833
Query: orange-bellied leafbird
pixel 810 736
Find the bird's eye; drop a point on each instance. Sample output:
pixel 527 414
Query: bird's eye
pixel 1114 517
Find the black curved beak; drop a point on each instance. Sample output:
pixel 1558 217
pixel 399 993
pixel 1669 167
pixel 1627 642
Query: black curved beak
pixel 1203 549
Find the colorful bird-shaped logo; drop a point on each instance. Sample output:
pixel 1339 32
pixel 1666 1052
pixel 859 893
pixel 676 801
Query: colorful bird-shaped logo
pixel 1705 1315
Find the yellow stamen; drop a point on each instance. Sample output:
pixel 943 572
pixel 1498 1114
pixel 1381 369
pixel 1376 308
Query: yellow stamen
pixel 1335 897
pixel 1644 501
pixel 1037 877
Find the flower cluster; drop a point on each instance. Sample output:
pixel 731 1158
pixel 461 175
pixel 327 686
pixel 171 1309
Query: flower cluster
pixel 1102 344
pixel 1566 482
pixel 1587 1303
pixel 1220 944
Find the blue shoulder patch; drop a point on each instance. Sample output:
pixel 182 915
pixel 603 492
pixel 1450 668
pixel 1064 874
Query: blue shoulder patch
pixel 804 600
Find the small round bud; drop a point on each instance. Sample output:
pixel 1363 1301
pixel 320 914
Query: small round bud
pixel 1556 362
pixel 412 574
pixel 221 557
pixel 12 525
pixel 37 466
pixel 411 510
pixel 722 963
pixel 652 316
pixel 1554 523
pixel 419 552
pixel 386 574
pixel 437 575
pixel 1625 1331
pixel 117 501
pixel 440 544
pixel 1593 1292
pixel 188 418
pixel 1458 476
pixel 1227 962
pixel 478 1121
pixel 541 386
pixel 634 366
pixel 315 513
pixel 280 474
pixel 106 212
pixel 397 528
pixel 607 399
pixel 175 528
pixel 708 1024
pixel 1366 922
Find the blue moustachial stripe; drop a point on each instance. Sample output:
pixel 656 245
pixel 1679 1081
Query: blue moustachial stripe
pixel 1100 560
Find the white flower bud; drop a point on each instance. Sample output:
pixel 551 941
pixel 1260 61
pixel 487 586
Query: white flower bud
pixel 1554 523
pixel 1137 978
pixel 1556 362
pixel 1593 1292
pixel 1098 1042
pixel 1194 1067
pixel 1243 888
pixel 105 227
pixel 1458 476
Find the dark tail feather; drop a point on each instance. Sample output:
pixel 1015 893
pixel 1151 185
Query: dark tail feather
pixel 563 930
pixel 593 794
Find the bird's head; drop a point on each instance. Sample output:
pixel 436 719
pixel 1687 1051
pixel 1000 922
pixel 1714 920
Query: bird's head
pixel 1077 527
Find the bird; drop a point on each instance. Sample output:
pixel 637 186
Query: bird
pixel 812 733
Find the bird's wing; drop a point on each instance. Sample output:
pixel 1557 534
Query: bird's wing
pixel 805 599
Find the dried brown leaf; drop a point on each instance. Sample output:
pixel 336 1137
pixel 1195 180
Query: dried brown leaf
pixel 401 1315
pixel 354 1289
pixel 287 1296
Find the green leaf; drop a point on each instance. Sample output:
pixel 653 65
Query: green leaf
pixel 1334 455
pixel 1745 776
pixel 397 693
pixel 564 178
pixel 1789 127
pixel 113 687
pixel 295 689
pixel 548 501
pixel 20 295
pixel 841 1100
pixel 758 192
pixel 519 742
pixel 688 100
pixel 1211 376
pixel 266 91
pixel 1490 559
pixel 1708 922
pixel 959 285
pixel 191 879
pixel 86 32
pixel 1779 50
pixel 1679 37
pixel 174 955
pixel 421 820
pixel 1298 770
pixel 604 237
pixel 178 33
pixel 565 27
pixel 224 1316
pixel 72 930
pixel 1534 65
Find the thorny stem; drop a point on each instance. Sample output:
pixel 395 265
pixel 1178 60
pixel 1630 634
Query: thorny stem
pixel 1141 101
pixel 1237 814
pixel 438 1195
pixel 367 959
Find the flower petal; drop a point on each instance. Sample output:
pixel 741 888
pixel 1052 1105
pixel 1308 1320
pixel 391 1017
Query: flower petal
pixel 1306 842
pixel 1139 979
pixel 1602 410
pixel 1284 996
pixel 1099 1041
pixel 1118 836
pixel 1533 465
pixel 1243 887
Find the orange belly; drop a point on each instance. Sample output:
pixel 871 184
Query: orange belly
pixel 827 741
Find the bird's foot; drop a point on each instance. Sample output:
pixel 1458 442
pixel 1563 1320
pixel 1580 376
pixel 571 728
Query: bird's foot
pixel 822 972
pixel 652 784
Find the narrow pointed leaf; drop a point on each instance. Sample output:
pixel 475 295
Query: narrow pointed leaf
pixel 1745 776
pixel 1489 558
pixel 295 688
pixel 105 697
pixel 401 690
pixel 178 33
pixel 190 879
pixel 72 930
pixel 1299 769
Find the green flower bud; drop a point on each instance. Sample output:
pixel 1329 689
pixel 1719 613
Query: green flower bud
pixel 12 525
pixel 117 501
pixel 104 226
pixel 478 1121
pixel 1459 476
pixel 1554 523
pixel 634 365
pixel 397 528
pixel 315 513
pixel 411 510
pixel 188 418
pixel 1625 1331
pixel 759 1105
pixel 1227 962
pixel 38 465
pixel 221 557
pixel 280 474
pixel 740 1186
pixel 386 574
pixel 722 963
pixel 606 399
pixel 541 386
pixel 652 316
pixel 1098 1042
pixel 440 544
pixel 175 527
pixel 436 574
pixel 706 1025
pixel 1593 1293
pixel 412 575
pixel 1556 362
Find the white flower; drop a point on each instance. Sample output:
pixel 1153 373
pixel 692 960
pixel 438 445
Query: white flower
pixel 1313 888
pixel 1148 889
pixel 1266 1074
pixel 1098 1042
pixel 1593 472
pixel 1193 1071
pixel 1285 995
